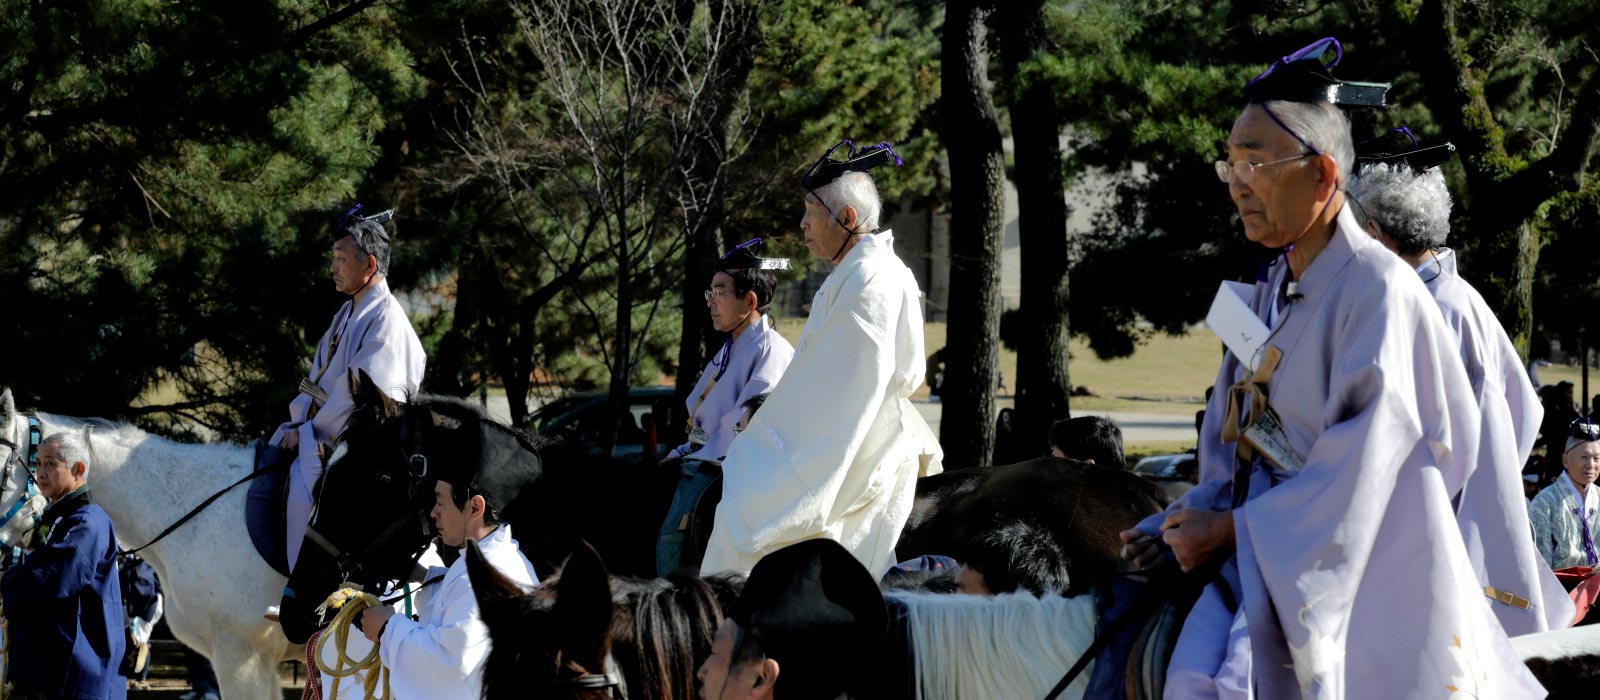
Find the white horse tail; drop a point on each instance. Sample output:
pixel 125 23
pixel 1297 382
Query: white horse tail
pixel 1007 647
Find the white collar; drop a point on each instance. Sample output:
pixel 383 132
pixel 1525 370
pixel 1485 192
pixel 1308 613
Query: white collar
pixel 1586 500
pixel 500 535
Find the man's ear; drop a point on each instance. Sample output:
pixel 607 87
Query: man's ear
pixel 477 502
pixel 79 469
pixel 767 676
pixel 848 218
pixel 1328 172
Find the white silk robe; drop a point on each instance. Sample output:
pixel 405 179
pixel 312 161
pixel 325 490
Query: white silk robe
pixel 442 655
pixel 837 448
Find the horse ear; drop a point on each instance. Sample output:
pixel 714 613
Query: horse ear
pixel 366 394
pixel 499 598
pixel 8 407
pixel 583 609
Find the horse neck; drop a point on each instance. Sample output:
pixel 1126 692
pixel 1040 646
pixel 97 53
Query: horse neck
pixel 145 482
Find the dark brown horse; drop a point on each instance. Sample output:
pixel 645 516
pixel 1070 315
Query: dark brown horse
pixel 1076 507
pixel 585 634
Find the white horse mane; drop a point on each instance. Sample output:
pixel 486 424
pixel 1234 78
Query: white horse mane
pixel 1011 646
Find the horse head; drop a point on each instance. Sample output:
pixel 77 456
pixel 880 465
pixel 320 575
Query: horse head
pixel 544 648
pixel 371 519
pixel 582 632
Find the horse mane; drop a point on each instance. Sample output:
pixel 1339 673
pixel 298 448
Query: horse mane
pixel 470 412
pixel 1007 646
pixel 661 630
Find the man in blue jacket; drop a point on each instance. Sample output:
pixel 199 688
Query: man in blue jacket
pixel 64 601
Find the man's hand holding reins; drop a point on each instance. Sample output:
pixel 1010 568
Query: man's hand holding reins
pixel 1197 536
pixel 1141 549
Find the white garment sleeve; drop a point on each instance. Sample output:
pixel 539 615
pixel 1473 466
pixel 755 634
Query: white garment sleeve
pixel 436 660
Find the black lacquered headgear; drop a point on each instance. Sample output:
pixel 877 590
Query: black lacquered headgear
pixel 1399 146
pixel 1304 76
pixel 826 169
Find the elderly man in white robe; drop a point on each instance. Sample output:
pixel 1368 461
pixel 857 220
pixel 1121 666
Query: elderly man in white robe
pixel 836 450
pixel 1407 207
pixel 370 332
pixel 441 655
pixel 1330 453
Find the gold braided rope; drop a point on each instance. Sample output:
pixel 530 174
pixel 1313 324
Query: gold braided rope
pixel 350 602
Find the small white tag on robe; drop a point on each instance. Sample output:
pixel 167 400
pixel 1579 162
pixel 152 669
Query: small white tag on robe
pixel 1238 327
pixel 1267 436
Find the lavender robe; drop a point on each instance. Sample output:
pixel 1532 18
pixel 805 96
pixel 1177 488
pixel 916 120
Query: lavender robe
pixel 1491 510
pixel 1352 574
pixel 757 360
pixel 376 337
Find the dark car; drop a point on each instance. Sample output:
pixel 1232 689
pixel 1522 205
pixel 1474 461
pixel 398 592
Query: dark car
pixel 645 428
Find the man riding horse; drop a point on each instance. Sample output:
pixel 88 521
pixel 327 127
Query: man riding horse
pixel 370 332
pixel 1332 447
pixel 750 363
pixel 837 448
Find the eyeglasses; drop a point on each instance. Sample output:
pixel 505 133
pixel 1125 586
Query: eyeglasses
pixel 1245 170
pixel 717 292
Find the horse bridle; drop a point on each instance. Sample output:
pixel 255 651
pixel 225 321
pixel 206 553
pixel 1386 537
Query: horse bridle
pixel 23 459
pixel 417 468
pixel 610 680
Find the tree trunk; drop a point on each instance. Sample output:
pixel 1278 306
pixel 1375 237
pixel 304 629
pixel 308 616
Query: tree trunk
pixel 707 175
pixel 1043 388
pixel 977 176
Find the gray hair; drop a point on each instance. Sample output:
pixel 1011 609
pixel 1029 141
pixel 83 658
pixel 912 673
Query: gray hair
pixel 1412 208
pixel 372 240
pixel 857 190
pixel 1321 124
pixel 74 448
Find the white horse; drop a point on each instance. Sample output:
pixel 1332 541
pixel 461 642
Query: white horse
pixel 216 585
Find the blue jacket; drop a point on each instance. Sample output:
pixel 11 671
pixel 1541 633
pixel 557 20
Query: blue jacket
pixel 64 605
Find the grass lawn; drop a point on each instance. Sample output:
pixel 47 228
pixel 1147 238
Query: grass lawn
pixel 1168 375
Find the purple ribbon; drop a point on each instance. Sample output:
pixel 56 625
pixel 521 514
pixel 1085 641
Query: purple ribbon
pixel 1588 540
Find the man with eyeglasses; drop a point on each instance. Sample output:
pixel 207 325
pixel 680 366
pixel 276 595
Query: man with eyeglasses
pixel 1402 201
pixel 837 448
pixel 751 361
pixel 1330 456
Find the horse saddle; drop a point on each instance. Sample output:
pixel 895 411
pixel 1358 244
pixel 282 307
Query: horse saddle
pixel 1143 617
pixel 681 544
pixel 264 507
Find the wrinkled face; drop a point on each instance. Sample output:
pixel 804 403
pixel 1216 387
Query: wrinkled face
pixel 55 477
pixel 823 234
pixel 1582 463
pixel 1277 202
pixel 728 310
pixel 349 268
pixel 718 680
pixel 448 520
